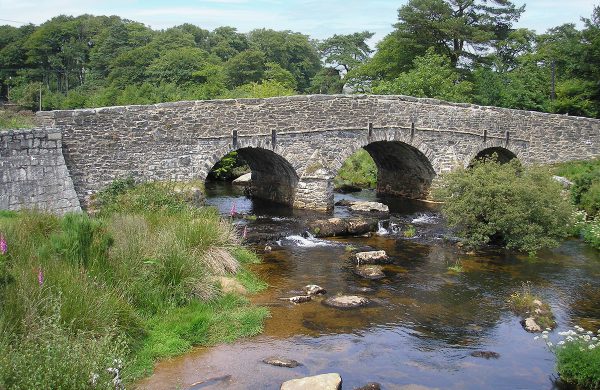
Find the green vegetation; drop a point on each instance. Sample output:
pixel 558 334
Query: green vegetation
pixel 359 170
pixel 81 295
pixel 578 358
pixel 15 120
pixel 410 231
pixel 456 267
pixel 585 195
pixel 505 204
pixel 458 51
pixel 526 304
pixel 230 167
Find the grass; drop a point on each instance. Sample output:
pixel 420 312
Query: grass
pixel 456 267
pixel 526 304
pixel 136 283
pixel 410 231
pixel 16 120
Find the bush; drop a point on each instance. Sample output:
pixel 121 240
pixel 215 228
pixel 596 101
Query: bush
pixel 505 204
pixel 578 358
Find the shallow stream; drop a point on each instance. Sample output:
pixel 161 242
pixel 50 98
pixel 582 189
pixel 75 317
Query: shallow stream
pixel 425 320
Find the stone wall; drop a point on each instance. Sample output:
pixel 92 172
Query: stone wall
pixel 33 174
pixel 311 136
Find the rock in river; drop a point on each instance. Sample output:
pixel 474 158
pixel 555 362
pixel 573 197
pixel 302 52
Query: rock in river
pixel 346 301
pixel 486 354
pixel 333 227
pixel 371 257
pixel 281 362
pixel 530 325
pixel 370 386
pixel 243 180
pixel 317 382
pixel 313 289
pixel 372 272
pixel 364 207
pixel 298 299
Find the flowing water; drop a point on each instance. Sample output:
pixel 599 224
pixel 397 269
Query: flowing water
pixel 424 321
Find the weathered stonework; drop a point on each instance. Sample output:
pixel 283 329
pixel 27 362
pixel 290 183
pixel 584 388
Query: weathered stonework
pixel 33 174
pixel 295 145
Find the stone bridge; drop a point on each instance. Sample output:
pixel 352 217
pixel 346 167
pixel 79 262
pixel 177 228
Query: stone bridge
pixel 294 145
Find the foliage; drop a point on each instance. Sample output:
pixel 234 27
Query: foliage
pixel 15 120
pixel 410 231
pixel 230 167
pixel 358 170
pixel 505 204
pixel 345 52
pixel 590 232
pixel 585 175
pixel 578 357
pixel 79 292
pixel 432 76
pixel 265 89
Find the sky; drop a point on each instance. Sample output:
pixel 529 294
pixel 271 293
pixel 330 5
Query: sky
pixel 318 18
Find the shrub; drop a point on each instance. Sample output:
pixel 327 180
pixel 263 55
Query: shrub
pixel 358 170
pixel 578 357
pixel 505 204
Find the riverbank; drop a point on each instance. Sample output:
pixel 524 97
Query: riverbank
pixel 95 301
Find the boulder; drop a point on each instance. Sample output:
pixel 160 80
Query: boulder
pixel 333 227
pixel 372 272
pixel 530 325
pixel 281 362
pixel 318 382
pixel 346 301
pixel 313 289
pixel 243 180
pixel 566 183
pixel 369 207
pixel 371 257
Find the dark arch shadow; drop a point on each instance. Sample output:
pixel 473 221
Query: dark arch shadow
pixel 501 154
pixel 402 170
pixel 273 177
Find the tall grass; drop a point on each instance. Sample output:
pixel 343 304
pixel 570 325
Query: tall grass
pixel 110 282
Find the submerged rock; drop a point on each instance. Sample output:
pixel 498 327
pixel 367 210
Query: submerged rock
pixel 318 382
pixel 281 362
pixel 243 180
pixel 298 299
pixel 346 301
pixel 372 272
pixel 369 386
pixel 371 257
pixel 486 354
pixel 313 289
pixel 364 206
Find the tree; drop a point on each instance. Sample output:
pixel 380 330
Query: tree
pixel 326 81
pixel 462 30
pixel 432 76
pixel 505 204
pixel 177 66
pixel 245 67
pixel 226 42
pixel 274 72
pixel 345 52
pixel 292 51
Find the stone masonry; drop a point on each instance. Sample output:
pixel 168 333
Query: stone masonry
pixel 33 173
pixel 295 145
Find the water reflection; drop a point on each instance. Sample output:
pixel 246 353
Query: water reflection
pixel 424 322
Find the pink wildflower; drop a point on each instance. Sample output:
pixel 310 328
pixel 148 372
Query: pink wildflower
pixel 233 210
pixel 245 232
pixel 40 276
pixel 3 246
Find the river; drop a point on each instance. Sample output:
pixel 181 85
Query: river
pixel 424 322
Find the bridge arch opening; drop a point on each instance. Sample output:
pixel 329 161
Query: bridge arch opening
pixel 400 169
pixel 501 154
pixel 272 177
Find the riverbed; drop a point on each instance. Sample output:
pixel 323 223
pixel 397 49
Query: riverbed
pixel 425 322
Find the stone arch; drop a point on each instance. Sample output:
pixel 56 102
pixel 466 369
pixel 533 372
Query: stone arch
pixel 273 177
pixel 405 164
pixel 489 148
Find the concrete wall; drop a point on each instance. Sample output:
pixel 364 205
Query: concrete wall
pixel 33 174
